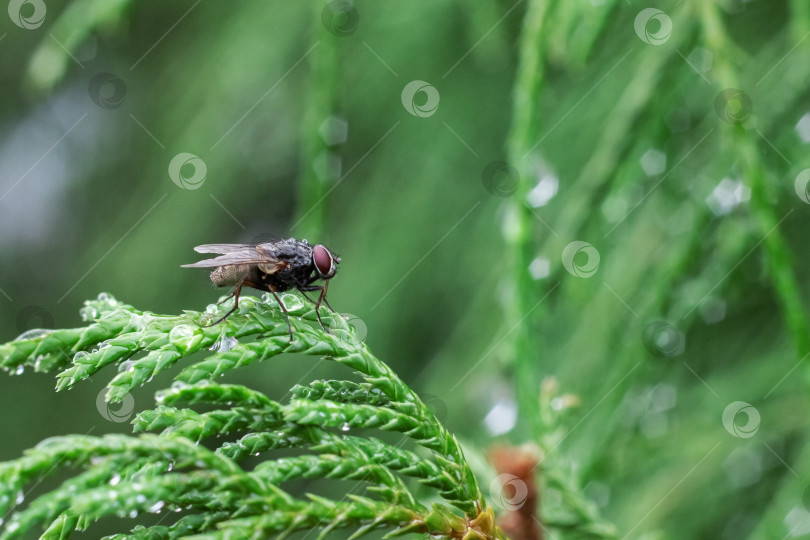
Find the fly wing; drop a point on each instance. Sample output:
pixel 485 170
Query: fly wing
pixel 239 254
pixel 222 248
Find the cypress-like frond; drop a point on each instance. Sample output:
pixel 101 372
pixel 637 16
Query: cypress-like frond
pixel 190 461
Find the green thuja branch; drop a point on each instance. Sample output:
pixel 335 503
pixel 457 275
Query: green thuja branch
pixel 190 461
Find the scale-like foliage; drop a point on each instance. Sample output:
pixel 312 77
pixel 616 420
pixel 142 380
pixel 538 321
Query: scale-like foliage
pixel 175 468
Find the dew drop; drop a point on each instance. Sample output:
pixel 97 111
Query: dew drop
pixel 127 365
pixel 34 333
pixel 115 479
pixel 20 369
pixel 79 355
pixel 181 336
pixel 20 497
pixel 137 322
pixel 345 427
pixel 246 302
pixel 292 302
pixel 155 508
pixel 88 313
pixel 224 344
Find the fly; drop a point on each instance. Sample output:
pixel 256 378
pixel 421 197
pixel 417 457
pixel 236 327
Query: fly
pixel 272 266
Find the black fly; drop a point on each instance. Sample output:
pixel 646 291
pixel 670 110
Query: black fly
pixel 272 266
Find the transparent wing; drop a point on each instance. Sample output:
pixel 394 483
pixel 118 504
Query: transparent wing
pixel 241 254
pixel 223 248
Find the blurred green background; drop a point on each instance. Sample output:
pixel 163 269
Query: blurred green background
pixel 670 141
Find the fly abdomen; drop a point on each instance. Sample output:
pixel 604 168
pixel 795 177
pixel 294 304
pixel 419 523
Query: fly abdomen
pixel 230 275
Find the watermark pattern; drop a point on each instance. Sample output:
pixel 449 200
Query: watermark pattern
pixel 730 415
pixel 115 412
pixel 508 492
pixel 801 185
pixel 179 173
pixel 360 328
pixel 663 340
pixel 340 18
pixel 34 13
pixel 107 90
pixel 572 259
pixel 426 109
pixel 500 179
pixel 436 405
pixel 733 106
pixel 33 317
pixel 653 26
pixel 806 498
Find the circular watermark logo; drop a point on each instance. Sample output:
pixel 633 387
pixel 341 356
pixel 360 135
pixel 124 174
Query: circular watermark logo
pixel 107 90
pixel 431 104
pixel 33 317
pixel 187 171
pixel 355 322
pixel 572 259
pixel 733 106
pixel 663 340
pixel 801 186
pixel 28 14
pixel 500 179
pixel 653 26
pixel 436 405
pixel 340 18
pixel 115 412
pixel 806 498
pixel 508 492
pixel 358 324
pixel 731 415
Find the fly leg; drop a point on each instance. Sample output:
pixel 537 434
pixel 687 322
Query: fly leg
pixel 325 301
pixel 321 298
pixel 233 292
pixel 305 296
pixel 235 295
pixel 284 309
pixel 310 287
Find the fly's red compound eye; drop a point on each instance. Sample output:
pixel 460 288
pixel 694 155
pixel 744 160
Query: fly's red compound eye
pixel 324 263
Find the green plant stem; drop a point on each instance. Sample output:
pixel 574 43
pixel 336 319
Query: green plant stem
pixel 522 310
pixel 740 138
pixel 321 104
